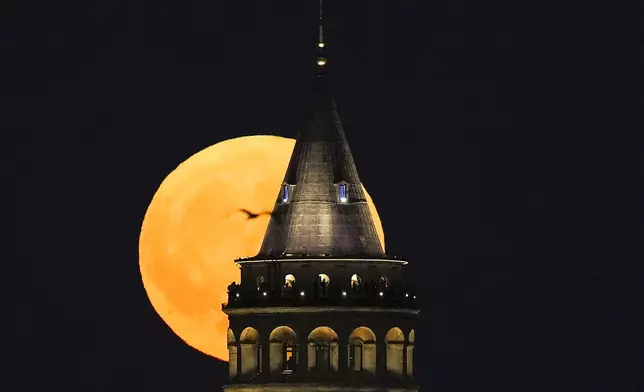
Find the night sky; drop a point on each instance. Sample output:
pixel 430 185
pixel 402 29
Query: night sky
pixel 478 129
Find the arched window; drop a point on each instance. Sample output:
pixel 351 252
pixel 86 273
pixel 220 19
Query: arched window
pixel 343 192
pixel 286 193
pixel 356 282
pixel 362 350
pixel 395 341
pixel 283 355
pixel 324 280
pixel 250 352
pixel 323 350
pixel 289 281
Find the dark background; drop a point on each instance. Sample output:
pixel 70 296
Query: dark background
pixel 480 128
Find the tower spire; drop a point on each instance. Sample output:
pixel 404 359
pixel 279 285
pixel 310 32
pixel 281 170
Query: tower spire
pixel 321 209
pixel 321 57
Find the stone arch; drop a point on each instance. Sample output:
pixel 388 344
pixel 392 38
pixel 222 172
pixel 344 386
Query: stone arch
pixel 394 343
pixel 283 350
pixel 250 351
pixel 411 340
pixel 232 353
pixel 230 337
pixel 362 350
pixel 323 350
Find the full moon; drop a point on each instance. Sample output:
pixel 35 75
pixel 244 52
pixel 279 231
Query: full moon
pixel 193 230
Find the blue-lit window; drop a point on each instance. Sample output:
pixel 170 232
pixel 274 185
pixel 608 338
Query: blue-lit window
pixel 286 193
pixel 343 192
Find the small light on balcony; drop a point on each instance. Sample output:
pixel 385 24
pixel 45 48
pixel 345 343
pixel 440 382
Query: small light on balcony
pixel 414 297
pixel 301 293
pixel 264 293
pixel 381 294
pixel 343 199
pixel 406 294
pixel 344 293
pixel 237 295
pixel 321 44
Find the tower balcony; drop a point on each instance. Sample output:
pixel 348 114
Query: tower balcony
pixel 396 297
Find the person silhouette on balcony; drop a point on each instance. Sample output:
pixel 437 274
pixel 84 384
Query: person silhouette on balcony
pixel 233 291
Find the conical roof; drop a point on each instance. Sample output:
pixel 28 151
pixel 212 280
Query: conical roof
pixel 321 209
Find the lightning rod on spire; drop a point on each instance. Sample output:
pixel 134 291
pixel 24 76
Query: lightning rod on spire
pixel 321 56
pixel 320 28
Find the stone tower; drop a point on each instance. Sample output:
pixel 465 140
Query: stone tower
pixel 321 306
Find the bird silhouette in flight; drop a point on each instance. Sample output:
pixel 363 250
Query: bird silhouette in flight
pixel 253 215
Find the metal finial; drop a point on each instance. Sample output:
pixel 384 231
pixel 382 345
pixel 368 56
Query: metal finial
pixel 320 26
pixel 321 57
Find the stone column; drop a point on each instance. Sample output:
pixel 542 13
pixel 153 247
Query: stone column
pixel 249 359
pixel 381 357
pixel 232 361
pixel 343 351
pixel 276 359
pixel 302 355
pixel 239 360
pixel 334 354
pixel 404 359
pixel 310 355
pixel 410 361
pixel 369 357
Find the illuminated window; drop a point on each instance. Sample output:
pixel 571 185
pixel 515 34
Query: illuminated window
pixel 324 284
pixel 289 281
pixel 343 192
pixel 286 193
pixel 356 281
pixel 290 358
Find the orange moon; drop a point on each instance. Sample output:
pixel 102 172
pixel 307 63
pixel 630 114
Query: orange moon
pixel 193 231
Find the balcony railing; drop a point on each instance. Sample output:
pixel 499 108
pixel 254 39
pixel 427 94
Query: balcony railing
pixel 388 297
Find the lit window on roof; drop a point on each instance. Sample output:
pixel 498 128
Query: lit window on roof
pixel 343 192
